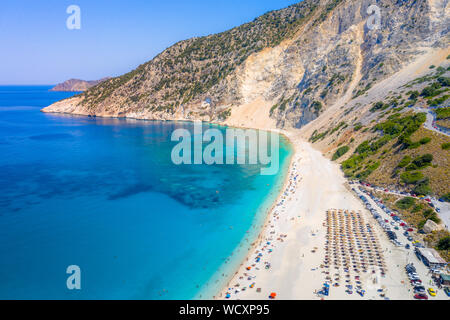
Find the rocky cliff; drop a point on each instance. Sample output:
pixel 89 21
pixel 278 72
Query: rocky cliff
pixel 284 69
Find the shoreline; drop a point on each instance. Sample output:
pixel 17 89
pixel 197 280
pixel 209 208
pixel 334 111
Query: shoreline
pixel 293 243
pixel 264 224
pixel 296 231
pixel 213 293
pixel 259 239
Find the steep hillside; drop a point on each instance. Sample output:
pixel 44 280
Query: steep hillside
pixel 283 69
pixel 385 142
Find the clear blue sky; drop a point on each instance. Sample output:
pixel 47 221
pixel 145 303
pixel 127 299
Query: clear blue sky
pixel 115 36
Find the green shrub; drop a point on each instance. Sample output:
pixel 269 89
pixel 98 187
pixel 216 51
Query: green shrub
pixel 405 203
pixel 445 146
pixel 444 243
pixel 405 126
pixel 420 162
pixel 317 136
pixel 352 162
pixel 438 101
pixel 363 147
pixel 379 106
pixel 411 177
pixel 421 224
pixel 274 107
pixel 435 218
pixel 431 90
pixel 411 167
pixel 442 113
pixel 423 161
pixel 444 81
pixel 340 152
pixel 225 114
pixel 363 175
pixel 339 126
pixel 414 95
pixel 283 105
pixel 425 140
pixel 428 213
pixel 405 161
pixel 446 197
pixel 422 187
pixel 412 145
pixel 317 105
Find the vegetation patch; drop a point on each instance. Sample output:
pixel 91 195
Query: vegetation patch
pixel 420 162
pixel 380 105
pixel 317 106
pixel 405 203
pixel 225 114
pixel 316 136
pixel 442 113
pixel 444 243
pixel 445 146
pixel 412 177
pixel 340 152
pixel 404 162
pixel 446 197
pixel 425 140
pixel 422 188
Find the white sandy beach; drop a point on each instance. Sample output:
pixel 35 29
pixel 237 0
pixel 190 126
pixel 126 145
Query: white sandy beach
pixel 295 228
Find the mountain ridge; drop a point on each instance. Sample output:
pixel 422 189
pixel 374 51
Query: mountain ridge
pixel 294 62
pixel 74 85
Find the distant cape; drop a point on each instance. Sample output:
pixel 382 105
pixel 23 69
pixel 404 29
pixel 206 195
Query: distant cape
pixel 77 85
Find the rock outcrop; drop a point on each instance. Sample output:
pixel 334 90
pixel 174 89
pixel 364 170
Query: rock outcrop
pixel 431 226
pixel 74 85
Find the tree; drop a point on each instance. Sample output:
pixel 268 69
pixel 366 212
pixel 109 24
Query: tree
pixel 414 95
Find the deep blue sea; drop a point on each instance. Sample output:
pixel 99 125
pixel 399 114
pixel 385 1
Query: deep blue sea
pixel 103 194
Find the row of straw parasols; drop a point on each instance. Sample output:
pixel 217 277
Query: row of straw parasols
pixel 351 243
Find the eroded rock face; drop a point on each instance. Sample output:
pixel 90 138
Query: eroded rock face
pixel 301 60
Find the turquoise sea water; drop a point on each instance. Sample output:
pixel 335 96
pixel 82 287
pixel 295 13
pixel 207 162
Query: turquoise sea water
pixel 103 194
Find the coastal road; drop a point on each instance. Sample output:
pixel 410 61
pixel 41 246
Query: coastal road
pixel 431 120
pixel 408 254
pixel 444 207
